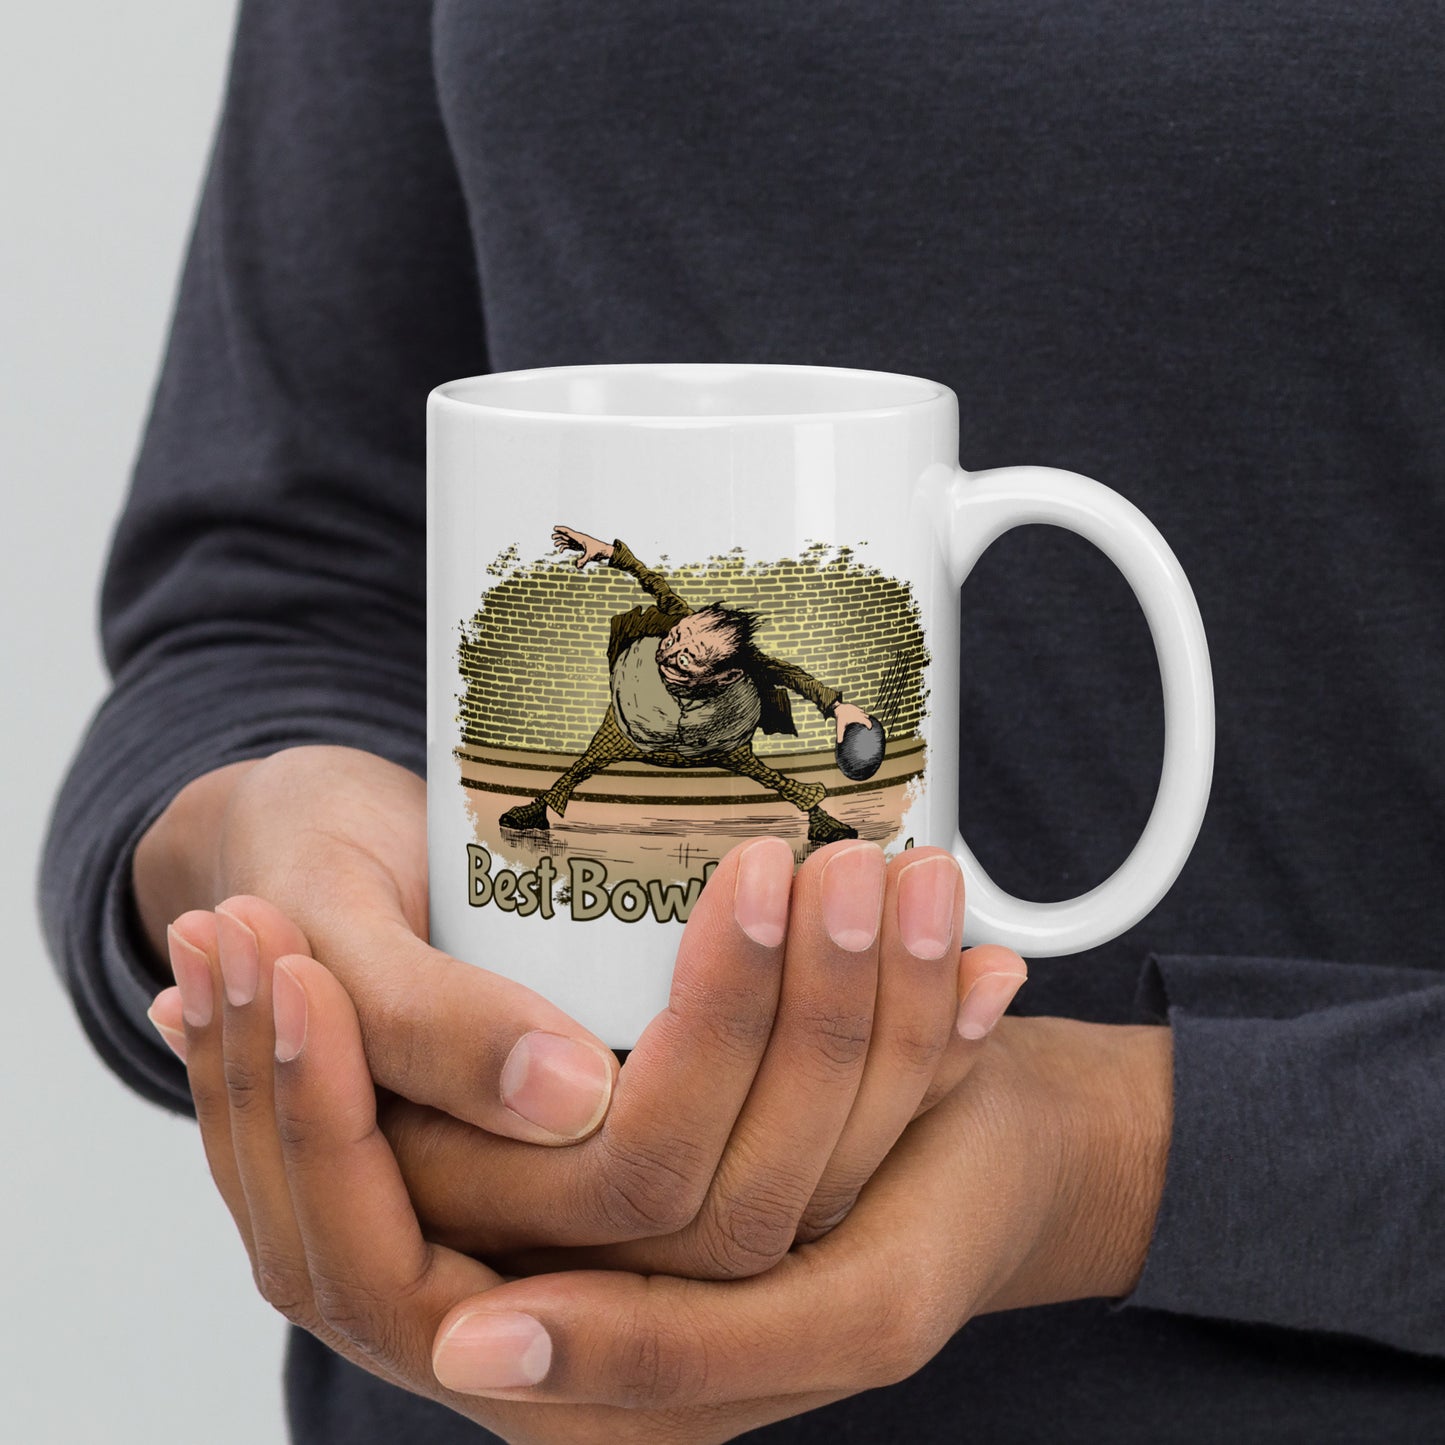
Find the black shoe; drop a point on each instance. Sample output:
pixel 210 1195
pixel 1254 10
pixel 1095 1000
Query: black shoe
pixel 825 828
pixel 526 815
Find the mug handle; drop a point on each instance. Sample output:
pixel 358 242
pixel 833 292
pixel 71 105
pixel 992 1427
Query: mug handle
pixel 980 507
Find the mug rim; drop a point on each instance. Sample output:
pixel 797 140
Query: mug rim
pixel 463 393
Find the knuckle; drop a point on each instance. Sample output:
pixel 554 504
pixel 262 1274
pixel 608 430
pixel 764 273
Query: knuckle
pixel 303 1133
pixel 825 1212
pixel 358 1315
pixel 248 1090
pixel 836 1041
pixel 738 1021
pixel 286 1288
pixel 742 1241
pixel 908 1329
pixel 919 1045
pixel 648 1188
pixel 213 1111
pixel 653 1367
pixel 294 1130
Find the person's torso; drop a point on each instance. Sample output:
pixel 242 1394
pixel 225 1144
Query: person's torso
pixel 1192 252
pixel 662 719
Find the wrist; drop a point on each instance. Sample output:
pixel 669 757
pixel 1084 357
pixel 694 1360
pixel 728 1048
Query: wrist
pixel 176 866
pixel 1105 1092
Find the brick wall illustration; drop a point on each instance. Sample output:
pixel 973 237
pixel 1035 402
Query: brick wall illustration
pixel 533 659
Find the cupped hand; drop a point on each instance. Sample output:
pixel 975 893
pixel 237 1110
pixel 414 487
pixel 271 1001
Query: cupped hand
pixel 335 840
pixel 1036 1183
pixel 810 1020
pixel 806 1027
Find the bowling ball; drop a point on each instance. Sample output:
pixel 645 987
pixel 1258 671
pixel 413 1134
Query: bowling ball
pixel 861 750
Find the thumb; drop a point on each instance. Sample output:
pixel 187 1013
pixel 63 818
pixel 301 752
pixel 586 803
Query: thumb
pixel 484 1048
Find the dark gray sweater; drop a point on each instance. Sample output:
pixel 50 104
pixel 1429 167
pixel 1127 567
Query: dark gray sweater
pixel 1193 250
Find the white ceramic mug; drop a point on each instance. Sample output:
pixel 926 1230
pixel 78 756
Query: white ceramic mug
pixel 656 595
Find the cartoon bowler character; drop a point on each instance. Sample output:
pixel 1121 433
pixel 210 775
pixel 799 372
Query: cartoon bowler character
pixel 689 688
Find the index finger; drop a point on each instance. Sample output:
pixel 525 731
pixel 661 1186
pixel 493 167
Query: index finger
pixel 439 1031
pixel 375 1280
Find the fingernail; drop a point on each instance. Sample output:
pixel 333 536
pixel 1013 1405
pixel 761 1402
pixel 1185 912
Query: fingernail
pixel 240 958
pixel 928 905
pixel 984 1004
pixel 164 1003
pixel 192 970
pixel 492 1352
pixel 562 1085
pixel 288 1008
pixel 760 893
pixel 852 889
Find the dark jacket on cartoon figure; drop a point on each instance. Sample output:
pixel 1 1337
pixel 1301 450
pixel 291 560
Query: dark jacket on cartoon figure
pixel 772 679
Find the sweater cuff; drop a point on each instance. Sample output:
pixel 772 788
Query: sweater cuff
pixel 1306 1163
pixel 157 732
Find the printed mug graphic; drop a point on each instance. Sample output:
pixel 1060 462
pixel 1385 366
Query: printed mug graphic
pixel 612 751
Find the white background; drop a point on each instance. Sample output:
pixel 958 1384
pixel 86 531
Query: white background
pixel 128 1309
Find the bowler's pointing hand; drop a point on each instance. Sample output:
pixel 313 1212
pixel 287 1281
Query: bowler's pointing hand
pixel 569 539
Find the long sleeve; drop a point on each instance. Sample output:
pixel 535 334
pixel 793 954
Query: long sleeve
pixel 1306 1178
pixel 789 675
pixel 266 585
pixel 653 583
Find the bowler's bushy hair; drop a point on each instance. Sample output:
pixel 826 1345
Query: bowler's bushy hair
pixel 738 623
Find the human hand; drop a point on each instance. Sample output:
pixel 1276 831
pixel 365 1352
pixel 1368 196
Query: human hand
pixel 591 548
pixel 845 713
pixel 335 839
pixel 1036 1184
pixel 757 1104
pixel 801 1036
